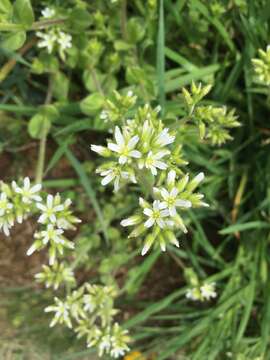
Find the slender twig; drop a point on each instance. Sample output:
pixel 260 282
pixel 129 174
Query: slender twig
pixel 43 24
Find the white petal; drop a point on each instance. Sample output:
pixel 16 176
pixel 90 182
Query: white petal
pixel 122 159
pixel 148 212
pixel 132 142
pixel 119 137
pixel 153 170
pixel 150 222
pixel 41 207
pixel 26 183
pixel 164 213
pixel 49 201
pixel 145 249
pixel 161 154
pixel 160 165
pixel 171 177
pixel 114 147
pixel 135 154
pixel 161 223
pixel 172 211
pixel 35 188
pixel 107 179
pixel 164 193
pixel 174 192
pixel 42 218
pixel 59 207
pixel 156 205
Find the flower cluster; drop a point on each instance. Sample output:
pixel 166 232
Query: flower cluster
pixel 213 122
pixel 55 218
pixel 262 66
pixel 199 291
pixel 56 275
pixel 17 202
pixel 144 152
pixel 162 218
pixel 54 38
pixel 90 311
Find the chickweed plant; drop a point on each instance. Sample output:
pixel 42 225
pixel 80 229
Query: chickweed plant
pixel 149 190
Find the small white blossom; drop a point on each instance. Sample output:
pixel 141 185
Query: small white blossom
pixel 49 210
pixel 52 234
pixel 115 175
pixel 171 201
pixel 124 147
pixel 48 12
pixel 61 310
pixel 208 291
pixel 5 205
pixel 47 41
pixel 153 162
pixel 27 192
pixel 104 345
pixel 193 294
pixel 164 138
pixel 6 225
pixel 156 215
pixel 64 40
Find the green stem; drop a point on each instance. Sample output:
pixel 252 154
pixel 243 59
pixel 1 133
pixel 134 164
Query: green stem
pixel 145 182
pixel 43 139
pixel 124 19
pixel 43 24
pixel 161 57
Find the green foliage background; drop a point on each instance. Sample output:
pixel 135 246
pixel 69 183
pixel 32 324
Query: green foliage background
pixel 154 48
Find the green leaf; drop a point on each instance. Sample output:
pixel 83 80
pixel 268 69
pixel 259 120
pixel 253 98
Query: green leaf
pixel 5 7
pixel 38 125
pixel 13 41
pixel 60 86
pixel 135 30
pixel 23 12
pixel 92 104
pixel 246 226
pixel 79 19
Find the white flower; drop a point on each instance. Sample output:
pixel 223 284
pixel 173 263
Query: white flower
pixel 61 310
pixel 193 294
pixel 48 40
pixel 104 345
pixel 49 210
pixel 124 147
pixel 48 12
pixel 164 138
pixel 52 234
pixel 27 192
pixel 64 40
pixel 6 225
pixel 171 201
pixel 5 205
pixel 156 215
pixel 115 175
pixel 153 162
pixel 208 291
